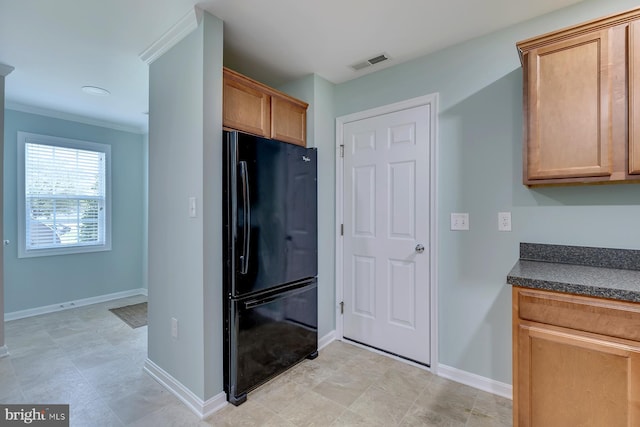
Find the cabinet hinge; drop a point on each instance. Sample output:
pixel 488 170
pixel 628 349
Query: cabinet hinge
pixel 342 151
pixel 341 307
pixel 342 229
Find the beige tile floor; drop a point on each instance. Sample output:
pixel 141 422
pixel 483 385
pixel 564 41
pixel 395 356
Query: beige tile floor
pixel 89 358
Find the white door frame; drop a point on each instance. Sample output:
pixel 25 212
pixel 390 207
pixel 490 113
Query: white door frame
pixel 432 101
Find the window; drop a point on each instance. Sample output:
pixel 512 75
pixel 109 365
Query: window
pixel 63 196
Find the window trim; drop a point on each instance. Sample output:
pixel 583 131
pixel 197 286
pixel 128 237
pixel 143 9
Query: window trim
pixel 26 137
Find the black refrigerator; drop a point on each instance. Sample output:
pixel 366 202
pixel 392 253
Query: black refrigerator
pixel 271 259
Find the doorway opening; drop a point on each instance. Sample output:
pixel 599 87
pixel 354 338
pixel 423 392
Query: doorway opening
pixel 386 247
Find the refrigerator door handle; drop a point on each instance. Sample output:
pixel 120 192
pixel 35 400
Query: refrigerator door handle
pixel 266 300
pixel 246 206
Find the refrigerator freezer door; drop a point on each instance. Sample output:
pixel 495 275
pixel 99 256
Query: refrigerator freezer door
pixel 267 335
pixel 272 214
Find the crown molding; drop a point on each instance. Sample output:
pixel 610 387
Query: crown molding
pixel 54 114
pixel 5 70
pixel 175 34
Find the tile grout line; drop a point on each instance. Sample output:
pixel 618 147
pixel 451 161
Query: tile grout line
pixel 414 402
pixel 100 396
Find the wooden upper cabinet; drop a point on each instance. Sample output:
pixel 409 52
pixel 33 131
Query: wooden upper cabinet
pixel 569 104
pixel 288 120
pixel 634 97
pixel 246 107
pixel 581 103
pixel 255 108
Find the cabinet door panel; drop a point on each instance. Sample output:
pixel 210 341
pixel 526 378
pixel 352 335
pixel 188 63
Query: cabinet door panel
pixel 569 106
pixel 634 97
pixel 288 121
pixel 567 378
pixel 246 108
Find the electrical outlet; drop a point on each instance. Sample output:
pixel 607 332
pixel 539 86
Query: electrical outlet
pixel 504 221
pixel 459 221
pixel 174 328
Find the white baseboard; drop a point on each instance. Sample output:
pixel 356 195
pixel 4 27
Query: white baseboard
pixel 476 381
pixel 4 351
pixel 326 340
pixel 202 409
pixel 72 304
pixel 448 372
pixel 144 291
pixel 199 407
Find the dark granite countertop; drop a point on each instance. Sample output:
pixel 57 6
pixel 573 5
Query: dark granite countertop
pixel 583 271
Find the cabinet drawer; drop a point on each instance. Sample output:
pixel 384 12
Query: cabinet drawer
pixel 606 317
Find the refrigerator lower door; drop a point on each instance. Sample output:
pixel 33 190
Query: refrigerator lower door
pixel 267 335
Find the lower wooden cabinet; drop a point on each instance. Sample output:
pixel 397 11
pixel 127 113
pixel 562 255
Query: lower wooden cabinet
pixel 576 361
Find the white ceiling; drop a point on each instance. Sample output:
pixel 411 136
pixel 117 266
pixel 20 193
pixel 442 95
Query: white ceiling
pixel 58 46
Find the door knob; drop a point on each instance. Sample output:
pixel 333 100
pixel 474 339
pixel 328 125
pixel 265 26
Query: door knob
pixel 419 248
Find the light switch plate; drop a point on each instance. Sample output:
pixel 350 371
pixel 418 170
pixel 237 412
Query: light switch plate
pixel 174 328
pixel 459 221
pixel 193 210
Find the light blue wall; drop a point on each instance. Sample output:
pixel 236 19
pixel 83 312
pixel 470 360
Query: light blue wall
pixel 318 92
pixel 145 213
pixel 3 349
pixel 42 281
pixel 479 171
pixel 212 205
pixel 185 254
pixel 324 139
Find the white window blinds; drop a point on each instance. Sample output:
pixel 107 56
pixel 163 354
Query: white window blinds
pixel 65 195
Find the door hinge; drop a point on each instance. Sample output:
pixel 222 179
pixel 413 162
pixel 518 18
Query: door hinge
pixel 342 229
pixel 342 151
pixel 341 307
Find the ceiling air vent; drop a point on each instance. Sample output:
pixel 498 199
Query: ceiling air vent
pixel 369 62
pixel 360 65
pixel 377 59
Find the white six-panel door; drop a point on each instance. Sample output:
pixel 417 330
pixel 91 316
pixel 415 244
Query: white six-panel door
pixel 386 278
